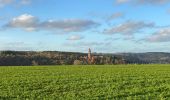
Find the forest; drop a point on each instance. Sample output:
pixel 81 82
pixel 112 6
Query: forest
pixel 28 58
pixel 25 58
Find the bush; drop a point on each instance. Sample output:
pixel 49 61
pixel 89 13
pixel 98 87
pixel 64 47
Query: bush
pixel 78 62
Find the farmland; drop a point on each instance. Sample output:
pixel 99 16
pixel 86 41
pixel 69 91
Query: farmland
pixel 85 82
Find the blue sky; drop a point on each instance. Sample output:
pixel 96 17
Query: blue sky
pixel 106 26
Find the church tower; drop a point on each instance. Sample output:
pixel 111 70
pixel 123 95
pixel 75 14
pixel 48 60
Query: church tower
pixel 89 54
pixel 90 58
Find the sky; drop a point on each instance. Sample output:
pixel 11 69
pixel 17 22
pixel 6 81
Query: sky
pixel 105 26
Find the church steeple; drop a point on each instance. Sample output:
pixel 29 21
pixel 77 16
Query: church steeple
pixel 89 54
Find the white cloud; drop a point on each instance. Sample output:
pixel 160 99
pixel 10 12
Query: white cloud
pixel 122 1
pixel 16 46
pixel 143 2
pixel 75 37
pixel 25 21
pixel 87 44
pixel 31 23
pixel 98 46
pixel 152 1
pixel 128 27
pixel 168 11
pixel 68 25
pixel 163 35
pixel 5 2
pixel 115 16
pixel 14 2
pixel 25 2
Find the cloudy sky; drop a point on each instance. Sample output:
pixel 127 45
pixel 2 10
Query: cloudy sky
pixel 107 26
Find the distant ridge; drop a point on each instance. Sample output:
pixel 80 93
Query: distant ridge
pixel 10 58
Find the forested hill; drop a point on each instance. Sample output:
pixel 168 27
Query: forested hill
pixel 150 57
pixel 11 58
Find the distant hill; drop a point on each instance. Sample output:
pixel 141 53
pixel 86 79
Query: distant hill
pixel 12 58
pixel 150 57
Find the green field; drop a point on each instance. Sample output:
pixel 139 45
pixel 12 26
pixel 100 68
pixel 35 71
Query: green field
pixel 85 82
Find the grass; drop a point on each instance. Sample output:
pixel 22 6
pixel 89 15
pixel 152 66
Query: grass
pixel 85 82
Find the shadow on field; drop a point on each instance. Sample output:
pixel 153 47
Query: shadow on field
pixel 7 98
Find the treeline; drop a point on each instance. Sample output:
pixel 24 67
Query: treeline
pixel 147 58
pixel 27 58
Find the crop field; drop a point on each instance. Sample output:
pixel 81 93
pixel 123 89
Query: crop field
pixel 85 82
